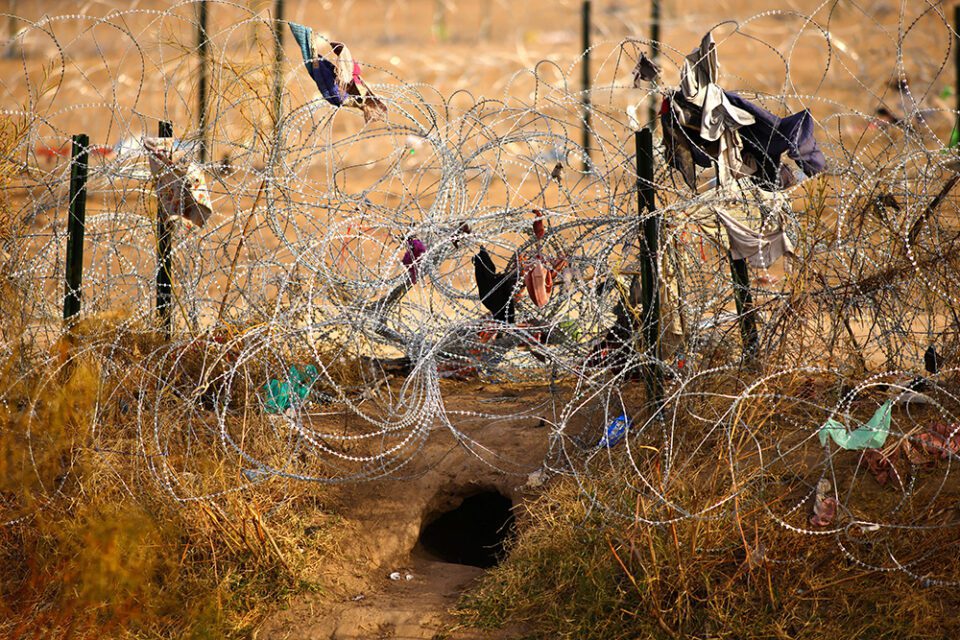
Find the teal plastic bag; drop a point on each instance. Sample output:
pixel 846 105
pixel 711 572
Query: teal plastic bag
pixel 870 436
pixel 279 396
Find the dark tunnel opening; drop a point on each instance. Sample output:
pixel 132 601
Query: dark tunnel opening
pixel 474 533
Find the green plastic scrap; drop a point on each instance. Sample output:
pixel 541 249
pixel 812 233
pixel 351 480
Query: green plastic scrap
pixel 870 436
pixel 571 328
pixel 280 395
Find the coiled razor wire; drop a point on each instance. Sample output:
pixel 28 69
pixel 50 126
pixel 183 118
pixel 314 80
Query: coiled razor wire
pixel 301 264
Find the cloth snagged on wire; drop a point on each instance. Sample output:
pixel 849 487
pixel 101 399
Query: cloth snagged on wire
pixel 752 221
pixel 759 249
pixel 872 435
pixel 496 290
pixel 932 360
pixel 539 282
pixel 646 70
pixel 411 257
pixel 704 125
pixel 340 84
pixel 700 108
pixel 771 136
pixel 758 151
pixel 539 230
pixel 180 184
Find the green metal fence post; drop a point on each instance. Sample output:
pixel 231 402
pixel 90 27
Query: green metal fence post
pixel 164 253
pixel 745 308
pixel 202 80
pixel 585 37
pixel 75 225
pixel 649 254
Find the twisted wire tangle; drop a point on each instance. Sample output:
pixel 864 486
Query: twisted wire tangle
pixel 301 264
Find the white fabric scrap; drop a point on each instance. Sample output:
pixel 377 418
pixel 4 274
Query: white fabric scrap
pixel 752 219
pixel 181 187
pixel 759 249
pixel 720 118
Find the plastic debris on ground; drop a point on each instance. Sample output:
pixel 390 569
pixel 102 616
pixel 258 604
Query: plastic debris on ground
pixel 280 396
pixel 824 506
pixel 615 431
pixel 872 435
pixel 938 442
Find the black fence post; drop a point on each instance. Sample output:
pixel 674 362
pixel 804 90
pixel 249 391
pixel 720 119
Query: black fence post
pixel 654 49
pixel 164 250
pixel 486 20
pixel 585 36
pixel 649 253
pixel 956 64
pixel 75 225
pixel 202 42
pixel 277 62
pixel 745 309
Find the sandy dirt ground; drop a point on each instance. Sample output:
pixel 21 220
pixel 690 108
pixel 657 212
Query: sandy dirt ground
pixel 387 516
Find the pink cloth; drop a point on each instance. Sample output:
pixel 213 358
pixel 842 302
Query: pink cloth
pixel 415 249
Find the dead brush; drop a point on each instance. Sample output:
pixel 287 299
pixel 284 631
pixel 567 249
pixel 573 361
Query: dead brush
pixel 92 544
pixel 725 549
pixel 208 369
pixel 733 574
pixel 13 315
pixel 98 545
pixel 243 532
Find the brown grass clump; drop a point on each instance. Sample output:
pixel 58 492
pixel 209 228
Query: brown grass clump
pixel 571 574
pixel 93 542
pixel 596 559
pixel 93 546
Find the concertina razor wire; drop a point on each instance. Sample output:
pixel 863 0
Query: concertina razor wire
pixel 326 312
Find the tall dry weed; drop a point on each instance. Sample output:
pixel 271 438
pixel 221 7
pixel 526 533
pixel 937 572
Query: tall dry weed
pixel 92 545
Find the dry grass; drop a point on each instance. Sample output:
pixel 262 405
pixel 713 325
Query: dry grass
pixel 572 574
pixel 92 543
pixel 99 549
pixel 587 563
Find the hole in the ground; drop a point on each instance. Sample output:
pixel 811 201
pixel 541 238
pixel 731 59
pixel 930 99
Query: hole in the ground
pixel 473 533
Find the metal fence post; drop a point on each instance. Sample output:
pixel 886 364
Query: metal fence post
pixel 75 225
pixel 164 251
pixel 277 62
pixel 955 134
pixel 585 37
pixel 654 49
pixel 202 42
pixel 649 254
pixel 744 300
